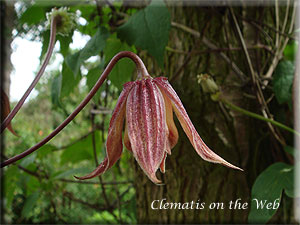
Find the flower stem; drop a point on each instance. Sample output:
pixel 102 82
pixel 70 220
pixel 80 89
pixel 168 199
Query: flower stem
pixel 257 116
pixel 141 70
pixel 12 114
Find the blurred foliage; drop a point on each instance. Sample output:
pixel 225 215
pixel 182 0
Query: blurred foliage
pixel 46 194
pixel 41 188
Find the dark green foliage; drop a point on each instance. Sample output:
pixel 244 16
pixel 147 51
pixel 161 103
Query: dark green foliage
pixel 56 90
pixel 148 29
pixel 92 48
pixel 123 70
pixel 290 51
pixel 283 81
pixel 81 150
pixel 33 15
pixel 64 42
pixel 92 77
pixel 69 82
pixel 290 150
pixel 268 187
pixel 30 204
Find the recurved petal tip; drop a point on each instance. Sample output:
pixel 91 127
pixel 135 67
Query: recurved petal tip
pixel 5 110
pixel 207 154
pixel 225 163
pixel 154 179
pixel 9 127
pixel 114 144
pixel 98 171
pixel 201 148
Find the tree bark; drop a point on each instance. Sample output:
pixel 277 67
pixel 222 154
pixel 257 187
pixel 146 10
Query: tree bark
pixel 7 20
pixel 233 136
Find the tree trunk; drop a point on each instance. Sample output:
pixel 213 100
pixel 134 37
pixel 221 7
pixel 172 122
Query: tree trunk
pixel 7 18
pixel 231 135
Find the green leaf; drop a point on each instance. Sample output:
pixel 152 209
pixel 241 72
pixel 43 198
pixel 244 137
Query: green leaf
pixel 73 172
pixel 33 15
pixel 107 217
pixel 289 150
pixel 148 29
pixel 81 150
pixel 122 71
pixel 74 62
pixel 11 175
pixel 75 153
pixel 55 90
pixel 267 188
pixel 290 51
pixel 283 81
pixel 45 150
pixel 69 82
pixel 64 43
pixel 130 209
pixel 92 77
pixel 33 185
pixel 28 160
pixel 29 204
pixel 92 48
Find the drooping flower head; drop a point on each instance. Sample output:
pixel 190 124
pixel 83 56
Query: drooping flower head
pixel 147 105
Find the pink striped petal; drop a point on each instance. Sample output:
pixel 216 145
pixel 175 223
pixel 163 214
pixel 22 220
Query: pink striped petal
pixel 187 125
pixel 114 145
pixel 146 125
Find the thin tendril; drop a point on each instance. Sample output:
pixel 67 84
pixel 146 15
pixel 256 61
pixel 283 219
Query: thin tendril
pixel 12 114
pixel 141 70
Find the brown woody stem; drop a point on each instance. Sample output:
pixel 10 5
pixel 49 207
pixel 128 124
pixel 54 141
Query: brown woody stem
pixel 141 70
pixel 12 114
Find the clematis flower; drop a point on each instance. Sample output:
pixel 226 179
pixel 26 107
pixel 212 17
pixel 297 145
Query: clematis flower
pixel 147 107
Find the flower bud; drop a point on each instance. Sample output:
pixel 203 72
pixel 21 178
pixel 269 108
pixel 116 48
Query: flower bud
pixel 207 83
pixel 66 22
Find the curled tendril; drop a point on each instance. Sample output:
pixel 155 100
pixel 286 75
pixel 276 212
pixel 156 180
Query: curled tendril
pixel 141 69
pixel 60 21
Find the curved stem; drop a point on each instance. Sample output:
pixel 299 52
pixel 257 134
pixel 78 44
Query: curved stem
pixel 141 70
pixel 12 114
pixel 257 116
